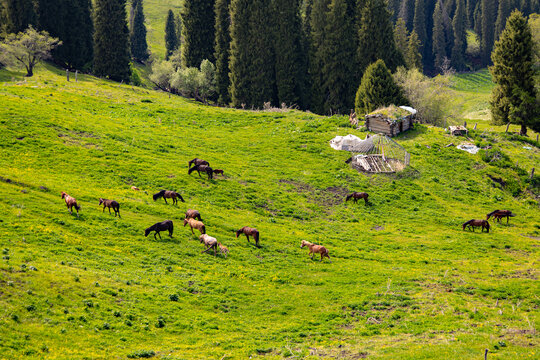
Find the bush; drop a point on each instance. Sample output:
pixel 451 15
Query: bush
pixel 142 354
pixel 161 74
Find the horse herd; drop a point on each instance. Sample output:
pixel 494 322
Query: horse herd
pixel 193 217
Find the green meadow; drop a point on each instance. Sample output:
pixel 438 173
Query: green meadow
pixel 405 281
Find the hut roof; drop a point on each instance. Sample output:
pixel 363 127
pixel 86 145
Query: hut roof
pixel 391 112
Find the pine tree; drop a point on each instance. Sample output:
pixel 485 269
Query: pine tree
pixel 514 97
pixel 471 4
pixel 198 32
pixel 407 13
pixel 171 37
pixel 222 50
pixel 420 25
pixel 318 21
pixel 111 40
pixel 460 36
pixel 377 89
pixel 489 14
pixel 413 57
pixel 439 38
pixel 139 46
pixel 502 14
pixel 376 38
pixel 401 36
pixel 20 14
pixel 289 66
pixel 478 19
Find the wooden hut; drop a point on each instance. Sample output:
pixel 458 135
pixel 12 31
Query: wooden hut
pixel 390 120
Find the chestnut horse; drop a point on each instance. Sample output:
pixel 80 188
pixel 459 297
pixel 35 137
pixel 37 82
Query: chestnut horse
pixel 249 231
pixel 204 168
pixel 195 224
pixel 477 223
pixel 160 226
pixel 193 214
pixel 315 249
pixel 499 214
pixel 357 195
pixel 168 194
pixel 209 242
pixel 223 249
pixel 197 162
pixel 110 204
pixel 71 203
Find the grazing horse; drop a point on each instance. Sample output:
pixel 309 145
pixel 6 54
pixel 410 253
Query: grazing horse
pixel 135 188
pixel 204 168
pixel 249 231
pixel 223 249
pixel 218 171
pixel 160 226
pixel 315 249
pixel 195 224
pixel 477 223
pixel 71 203
pixel 193 214
pixel 209 243
pixel 110 204
pixel 357 195
pixel 168 194
pixel 197 162
pixel 499 214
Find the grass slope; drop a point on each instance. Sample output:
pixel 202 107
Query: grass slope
pixel 155 12
pixel 405 281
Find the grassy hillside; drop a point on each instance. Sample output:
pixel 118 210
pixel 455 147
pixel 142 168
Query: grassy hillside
pixel 405 281
pixel 475 92
pixel 155 12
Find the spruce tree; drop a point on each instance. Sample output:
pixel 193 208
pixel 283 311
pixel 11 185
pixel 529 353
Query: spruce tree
pixel 377 89
pixel 111 40
pixel 439 38
pixel 139 46
pixel 375 36
pixel 171 37
pixel 420 25
pixel 514 97
pixel 222 50
pixel 318 21
pixel 460 36
pixel 401 36
pixel 407 13
pixel 502 14
pixel 20 14
pixel 198 32
pixel 413 56
pixel 489 16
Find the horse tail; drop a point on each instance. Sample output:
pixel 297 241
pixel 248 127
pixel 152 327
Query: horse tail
pixel 256 237
pixel 171 228
pixel 203 229
pixel 77 206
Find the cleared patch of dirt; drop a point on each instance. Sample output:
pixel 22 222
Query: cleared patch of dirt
pixel 377 228
pixel 330 196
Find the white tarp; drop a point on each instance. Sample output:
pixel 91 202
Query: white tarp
pixel 409 109
pixel 470 148
pixel 346 142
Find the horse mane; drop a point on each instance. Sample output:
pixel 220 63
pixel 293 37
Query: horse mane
pixel 468 222
pixel 239 231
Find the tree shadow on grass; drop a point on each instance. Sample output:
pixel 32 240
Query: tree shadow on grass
pixel 11 75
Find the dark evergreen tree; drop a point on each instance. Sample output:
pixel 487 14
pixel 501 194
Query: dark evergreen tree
pixel 171 36
pixel 401 37
pixel 178 27
pixel 489 16
pixel 407 13
pixel 375 36
pixel 420 25
pixel 460 36
pixel 222 49
pixel 471 5
pixel 377 89
pixel 427 54
pixel 318 21
pixel 111 40
pixel 413 56
pixel 478 19
pixel 514 97
pixel 198 32
pixel 20 14
pixel 439 37
pixel 502 14
pixel 139 46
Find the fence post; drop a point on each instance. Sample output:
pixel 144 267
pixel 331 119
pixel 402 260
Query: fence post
pixel 507 126
pixel 475 126
pixel 532 173
pixel 67 74
pixel 76 73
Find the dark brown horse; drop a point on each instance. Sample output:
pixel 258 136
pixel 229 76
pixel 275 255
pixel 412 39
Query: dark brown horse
pixel 193 214
pixel 197 162
pixel 204 168
pixel 218 171
pixel 168 194
pixel 110 204
pixel 477 223
pixel 71 203
pixel 249 231
pixel 160 226
pixel 499 214
pixel 357 195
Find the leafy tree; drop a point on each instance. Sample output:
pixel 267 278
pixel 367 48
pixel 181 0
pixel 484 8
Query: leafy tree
pixel 111 40
pixel 401 36
pixel 489 14
pixel 162 72
pixel 197 83
pixel 460 36
pixel 413 57
pixel 171 38
pixel 137 36
pixel 377 89
pixel 198 34
pixel 20 14
pixel 439 37
pixel 222 49
pixel 514 97
pixel 27 48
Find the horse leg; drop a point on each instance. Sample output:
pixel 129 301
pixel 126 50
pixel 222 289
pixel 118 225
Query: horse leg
pixel 247 237
pixel 159 235
pixel 165 200
pixel 322 256
pixel 192 230
pixel 103 208
pixel 109 211
pixel 215 249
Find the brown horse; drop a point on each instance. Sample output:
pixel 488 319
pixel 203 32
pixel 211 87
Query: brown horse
pixel 71 203
pixel 218 171
pixel 168 194
pixel 249 231
pixel 193 214
pixel 499 214
pixel 209 242
pixel 204 168
pixel 477 223
pixel 357 195
pixel 135 188
pixel 194 224
pixel 197 162
pixel 110 204
pixel 315 249
pixel 223 249
pixel 160 226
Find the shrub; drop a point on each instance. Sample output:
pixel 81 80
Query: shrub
pixel 142 354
